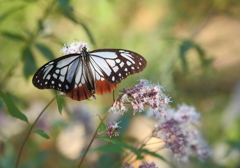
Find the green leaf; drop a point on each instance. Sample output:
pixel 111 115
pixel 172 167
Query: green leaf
pixel 200 51
pixel 183 49
pixel 12 109
pixel 203 58
pixel 40 25
pixel 123 145
pixel 139 156
pixel 13 36
pixel 45 51
pixel 65 4
pixel 29 67
pixel 145 151
pixel 42 133
pixel 106 139
pixel 59 102
pixel 102 126
pixel 12 10
pixel 109 148
pixel 108 160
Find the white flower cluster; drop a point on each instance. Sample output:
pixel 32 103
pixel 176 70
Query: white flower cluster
pixel 74 47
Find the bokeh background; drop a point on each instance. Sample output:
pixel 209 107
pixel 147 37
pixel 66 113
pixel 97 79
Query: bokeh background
pixel 192 48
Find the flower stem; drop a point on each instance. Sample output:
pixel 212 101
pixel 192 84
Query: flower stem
pixel 30 130
pixel 95 134
pixel 142 145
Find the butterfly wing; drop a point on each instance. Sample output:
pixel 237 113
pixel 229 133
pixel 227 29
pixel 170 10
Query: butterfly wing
pixel 110 66
pixel 69 73
pixel 58 74
pixel 82 88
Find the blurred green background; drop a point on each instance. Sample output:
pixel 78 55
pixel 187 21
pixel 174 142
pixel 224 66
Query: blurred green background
pixel 192 48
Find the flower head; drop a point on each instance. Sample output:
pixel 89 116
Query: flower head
pixel 147 165
pixel 142 165
pixel 180 134
pixel 113 130
pixel 126 165
pixel 118 107
pixel 140 96
pixel 75 47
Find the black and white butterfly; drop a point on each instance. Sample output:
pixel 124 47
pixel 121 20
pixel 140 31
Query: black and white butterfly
pixel 81 75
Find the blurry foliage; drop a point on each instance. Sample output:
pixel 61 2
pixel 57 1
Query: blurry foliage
pixel 164 32
pixel 12 109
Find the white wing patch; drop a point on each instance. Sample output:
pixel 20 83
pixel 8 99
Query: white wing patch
pixel 107 55
pixel 121 64
pixel 128 56
pixel 72 70
pixel 64 71
pixel 46 71
pixel 101 64
pixel 65 62
pixel 81 76
pixel 112 63
pixel 115 69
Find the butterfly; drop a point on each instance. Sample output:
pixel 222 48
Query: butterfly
pixel 81 75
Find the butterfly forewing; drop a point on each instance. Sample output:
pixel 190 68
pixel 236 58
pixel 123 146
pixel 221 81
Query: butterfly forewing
pixel 58 74
pixel 115 65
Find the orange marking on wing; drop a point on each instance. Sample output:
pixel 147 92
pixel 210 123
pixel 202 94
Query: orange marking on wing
pixel 80 93
pixel 104 86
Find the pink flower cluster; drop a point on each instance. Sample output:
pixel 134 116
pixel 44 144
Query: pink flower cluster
pixel 147 165
pixel 142 165
pixel 126 165
pixel 113 130
pixel 142 95
pixel 177 128
pixel 179 133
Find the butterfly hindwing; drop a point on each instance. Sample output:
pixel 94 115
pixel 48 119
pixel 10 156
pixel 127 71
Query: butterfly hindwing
pixel 58 74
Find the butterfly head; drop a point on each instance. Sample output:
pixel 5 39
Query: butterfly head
pixel 84 49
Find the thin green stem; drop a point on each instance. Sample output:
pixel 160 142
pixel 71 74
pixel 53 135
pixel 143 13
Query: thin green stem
pixel 30 130
pixel 95 134
pixel 113 96
pixel 142 145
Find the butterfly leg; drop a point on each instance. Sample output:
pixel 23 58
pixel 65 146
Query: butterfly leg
pixel 93 94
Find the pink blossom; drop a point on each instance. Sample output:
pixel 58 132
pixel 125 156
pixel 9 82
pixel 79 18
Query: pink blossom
pixel 126 165
pixel 75 47
pixel 141 96
pixel 147 165
pixel 180 134
pixel 112 130
pixel 118 107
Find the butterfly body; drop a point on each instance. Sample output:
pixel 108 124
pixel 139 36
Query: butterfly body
pixel 81 75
